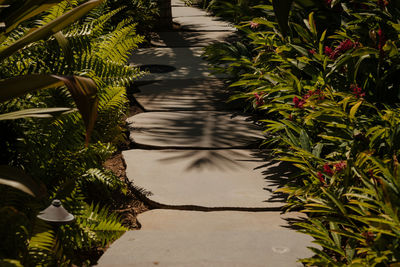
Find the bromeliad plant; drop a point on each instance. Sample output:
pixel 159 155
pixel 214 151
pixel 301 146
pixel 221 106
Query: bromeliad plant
pixel 329 92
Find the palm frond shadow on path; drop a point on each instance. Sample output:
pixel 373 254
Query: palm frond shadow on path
pixel 193 130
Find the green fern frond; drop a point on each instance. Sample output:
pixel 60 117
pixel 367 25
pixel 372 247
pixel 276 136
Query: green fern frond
pixel 57 11
pixel 109 72
pixel 42 243
pixel 118 45
pixel 100 225
pixel 99 23
pixel 113 98
pixel 107 178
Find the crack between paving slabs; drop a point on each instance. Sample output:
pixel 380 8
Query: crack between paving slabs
pixel 155 205
pixel 142 194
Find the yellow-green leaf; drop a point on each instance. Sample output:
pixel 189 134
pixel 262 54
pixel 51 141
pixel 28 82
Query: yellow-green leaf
pixel 354 109
pixel 50 28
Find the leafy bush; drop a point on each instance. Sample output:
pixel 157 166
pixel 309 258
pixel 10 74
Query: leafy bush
pixel 235 11
pixel 329 94
pixel 52 148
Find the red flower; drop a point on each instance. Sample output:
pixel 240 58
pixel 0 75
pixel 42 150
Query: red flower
pixel 328 51
pixel 259 99
pixel 381 42
pixel 340 166
pixel 320 94
pixel 298 103
pixel 308 95
pixel 383 3
pixel 328 2
pixel 321 177
pixel 357 91
pixel 254 25
pixel 316 92
pixel 312 51
pixel 345 45
pixel 327 169
pixel 340 49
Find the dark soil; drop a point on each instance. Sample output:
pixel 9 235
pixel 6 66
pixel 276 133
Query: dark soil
pixel 128 206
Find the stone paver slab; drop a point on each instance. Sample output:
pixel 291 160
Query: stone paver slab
pixel 185 11
pixel 203 23
pixel 175 3
pixel 194 129
pixel 188 38
pixel 233 178
pixel 186 60
pixel 189 238
pixel 178 95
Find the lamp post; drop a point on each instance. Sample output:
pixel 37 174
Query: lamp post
pixel 55 213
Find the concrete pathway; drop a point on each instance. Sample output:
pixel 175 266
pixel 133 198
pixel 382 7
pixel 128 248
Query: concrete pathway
pixel 211 191
pixel 184 95
pixel 224 238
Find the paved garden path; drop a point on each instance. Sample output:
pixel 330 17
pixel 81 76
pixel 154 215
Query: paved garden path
pixel 210 189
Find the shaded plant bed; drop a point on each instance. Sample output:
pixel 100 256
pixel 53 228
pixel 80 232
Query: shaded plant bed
pixel 129 205
pixel 329 96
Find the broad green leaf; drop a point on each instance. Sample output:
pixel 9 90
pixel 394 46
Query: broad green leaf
pixel 26 10
pixel 66 48
pixel 300 30
pixel 370 219
pixel 50 28
pixel 21 85
pixel 357 66
pixel 31 113
pixel 294 140
pixel 300 49
pixel 83 91
pixel 315 231
pixel 351 235
pixel 354 109
pixel 334 227
pixel 335 200
pixel 391 48
pixel 339 63
pixel 20 180
pixel 321 43
pixel 264 21
pixel 322 255
pixel 365 51
pixel 310 23
pixel 331 246
pixel 379 133
pixel 10 263
pixel 305 140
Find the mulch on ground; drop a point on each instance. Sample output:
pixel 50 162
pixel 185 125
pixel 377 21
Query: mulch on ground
pixel 129 205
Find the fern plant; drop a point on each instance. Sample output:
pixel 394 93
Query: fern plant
pixel 52 149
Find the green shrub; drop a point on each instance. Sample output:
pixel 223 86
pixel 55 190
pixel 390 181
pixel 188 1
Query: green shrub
pixel 53 149
pixel 329 94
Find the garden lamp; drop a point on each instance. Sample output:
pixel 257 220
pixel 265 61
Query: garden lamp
pixel 55 213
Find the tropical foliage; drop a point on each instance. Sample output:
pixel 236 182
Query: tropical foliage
pixel 77 51
pixel 324 76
